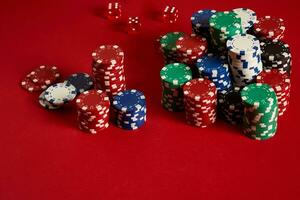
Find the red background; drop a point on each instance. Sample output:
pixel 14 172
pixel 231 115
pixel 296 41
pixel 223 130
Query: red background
pixel 44 156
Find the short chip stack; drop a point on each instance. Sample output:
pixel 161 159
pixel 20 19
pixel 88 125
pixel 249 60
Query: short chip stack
pixel 276 54
pixel 108 69
pixel 173 77
pixel 200 22
pixel 223 25
pixel 261 111
pixel 59 94
pixel 93 111
pixel 231 106
pixel 168 46
pixel 281 84
pixel 129 107
pixel 200 100
pixel 248 18
pixel 268 27
pixel 244 55
pixel 40 78
pixel 215 68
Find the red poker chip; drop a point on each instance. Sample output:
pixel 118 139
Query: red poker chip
pixel 191 45
pixel 198 89
pixel 108 54
pixel 45 75
pixel 30 86
pixel 269 27
pixel 93 130
pixel 278 80
pixel 92 100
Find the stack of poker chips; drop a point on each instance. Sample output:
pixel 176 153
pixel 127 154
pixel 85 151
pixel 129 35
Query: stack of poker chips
pixel 40 78
pixel 200 22
pixel 215 68
pixel 81 81
pixel 268 27
pixel 93 111
pixel 57 95
pixel 276 54
pixel 168 46
pixel 261 111
pixel 190 48
pixel 200 100
pixel 223 25
pixel 244 55
pixel 281 84
pixel 129 107
pixel 248 18
pixel 231 106
pixel 173 77
pixel 108 69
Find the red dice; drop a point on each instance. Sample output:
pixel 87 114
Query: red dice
pixel 170 14
pixel 134 24
pixel 114 11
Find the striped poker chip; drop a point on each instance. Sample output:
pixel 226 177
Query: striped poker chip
pixel 108 54
pixel 44 74
pixel 46 104
pixel 60 93
pixel 30 86
pixel 92 100
pixel 248 17
pixel 81 81
pixel 188 45
pixel 269 27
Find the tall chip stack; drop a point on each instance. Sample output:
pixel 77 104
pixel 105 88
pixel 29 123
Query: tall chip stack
pixel 108 69
pixel 276 54
pixel 173 77
pixel 223 25
pixel 215 68
pixel 248 18
pixel 129 107
pixel 244 55
pixel 281 84
pixel 261 111
pixel 168 46
pixel 200 100
pixel 93 111
pixel 200 22
pixel 269 27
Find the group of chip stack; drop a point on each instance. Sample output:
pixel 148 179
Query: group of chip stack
pixel 108 69
pixel 129 109
pixel 173 77
pixel 244 58
pixel 200 100
pixel 93 111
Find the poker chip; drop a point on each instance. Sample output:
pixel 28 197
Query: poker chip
pixel 30 86
pixel 281 84
pixel 81 81
pixel 269 27
pixel 93 108
pixel 261 111
pixel 60 93
pixel 276 54
pixel 46 104
pixel 200 100
pixel 244 57
pixel 223 25
pixel 130 111
pixel 248 18
pixel 173 77
pixel 108 69
pixel 200 22
pixel 45 75
pixel 215 68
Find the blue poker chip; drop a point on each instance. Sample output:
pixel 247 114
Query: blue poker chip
pixel 129 101
pixel 200 21
pixel 60 93
pixel 131 126
pixel 81 81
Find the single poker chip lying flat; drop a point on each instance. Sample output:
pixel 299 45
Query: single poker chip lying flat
pixel 43 102
pixel 30 86
pixel 60 93
pixel 45 75
pixel 81 81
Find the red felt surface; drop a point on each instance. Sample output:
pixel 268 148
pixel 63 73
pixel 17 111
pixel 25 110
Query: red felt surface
pixel 44 156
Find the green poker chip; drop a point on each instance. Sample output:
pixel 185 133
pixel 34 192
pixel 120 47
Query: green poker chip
pixel 168 41
pixel 175 75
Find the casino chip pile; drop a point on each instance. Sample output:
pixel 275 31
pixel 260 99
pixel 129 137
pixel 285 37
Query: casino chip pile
pixel 241 55
pixel 261 111
pixel 200 101
pixel 40 78
pixel 244 57
pixel 108 69
pixel 93 111
pixel 173 77
pixel 129 107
